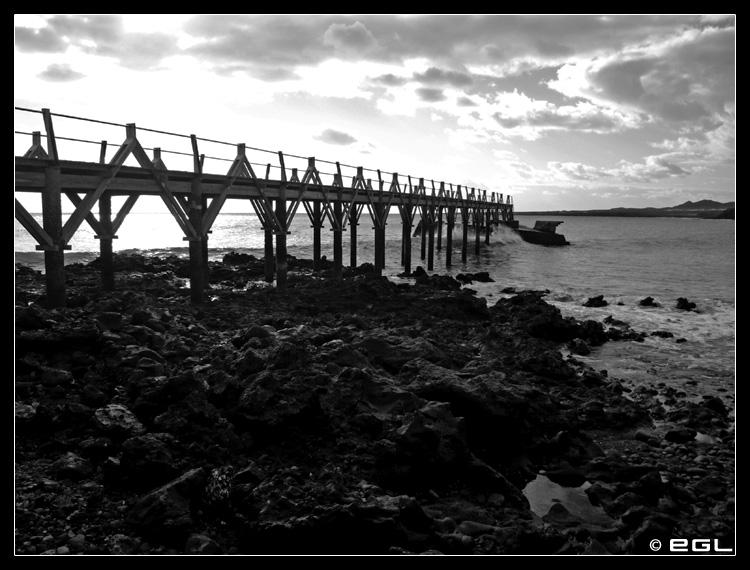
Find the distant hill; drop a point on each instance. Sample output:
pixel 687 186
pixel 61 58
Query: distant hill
pixel 708 209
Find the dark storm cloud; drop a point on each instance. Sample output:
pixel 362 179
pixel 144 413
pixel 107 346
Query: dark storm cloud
pixel 332 136
pixel 61 72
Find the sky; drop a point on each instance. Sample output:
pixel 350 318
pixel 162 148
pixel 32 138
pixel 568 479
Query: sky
pixel 560 112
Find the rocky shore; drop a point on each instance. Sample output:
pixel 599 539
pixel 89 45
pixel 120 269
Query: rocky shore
pixel 344 417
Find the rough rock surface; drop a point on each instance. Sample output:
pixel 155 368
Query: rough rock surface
pixel 351 416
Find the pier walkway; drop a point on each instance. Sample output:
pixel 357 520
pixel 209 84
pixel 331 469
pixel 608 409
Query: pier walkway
pixel 195 197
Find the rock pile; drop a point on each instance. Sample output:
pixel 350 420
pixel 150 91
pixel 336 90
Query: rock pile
pixel 352 416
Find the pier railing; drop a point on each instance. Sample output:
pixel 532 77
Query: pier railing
pixel 196 196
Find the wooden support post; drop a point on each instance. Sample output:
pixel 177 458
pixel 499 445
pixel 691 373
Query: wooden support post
pixel 54 257
pixel 423 234
pixel 105 243
pixel 406 232
pixel 195 216
pixel 338 254
pixel 204 247
pixel 379 238
pixel 382 248
pixel 106 254
pixel 431 241
pixel 317 226
pixel 269 260
pixel 488 228
pixel 465 243
pixel 281 262
pixel 353 223
pixel 405 229
pixel 449 236
pixel 439 245
pixel 282 216
pixel 406 248
pixel 477 230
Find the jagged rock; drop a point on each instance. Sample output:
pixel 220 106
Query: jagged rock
pixel 116 419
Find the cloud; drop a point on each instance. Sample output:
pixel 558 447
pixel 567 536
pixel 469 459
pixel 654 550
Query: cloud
pixel 390 80
pixel 36 40
pixel 686 76
pixel 466 102
pixel 436 76
pixel 62 31
pixel 430 94
pixel 98 35
pixel 350 38
pixel 653 168
pixel 492 78
pixel 61 72
pixel 577 171
pixel 332 136
pixel 520 116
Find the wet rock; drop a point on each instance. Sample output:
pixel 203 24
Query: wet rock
pixel 685 305
pixel 468 278
pixel 578 346
pixel 597 301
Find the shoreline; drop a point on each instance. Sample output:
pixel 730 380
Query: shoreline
pixel 351 417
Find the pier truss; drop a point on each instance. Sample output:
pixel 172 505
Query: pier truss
pixel 195 197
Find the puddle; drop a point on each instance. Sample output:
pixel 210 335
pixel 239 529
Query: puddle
pixel 542 494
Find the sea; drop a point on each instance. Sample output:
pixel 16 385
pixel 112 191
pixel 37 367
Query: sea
pixel 623 259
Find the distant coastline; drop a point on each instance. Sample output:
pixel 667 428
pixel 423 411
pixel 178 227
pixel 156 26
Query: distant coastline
pixel 705 209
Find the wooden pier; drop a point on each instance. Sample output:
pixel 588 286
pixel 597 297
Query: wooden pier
pixel 195 198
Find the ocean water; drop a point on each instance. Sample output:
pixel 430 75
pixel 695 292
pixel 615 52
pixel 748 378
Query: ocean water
pixel 623 259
